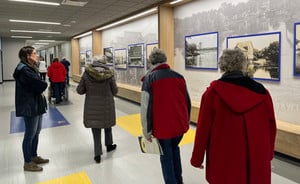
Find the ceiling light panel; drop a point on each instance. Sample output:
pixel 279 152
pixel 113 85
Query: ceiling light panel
pixel 36 2
pixel 34 22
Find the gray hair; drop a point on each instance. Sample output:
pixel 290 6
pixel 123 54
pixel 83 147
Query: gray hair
pixel 100 59
pixel 232 60
pixel 157 56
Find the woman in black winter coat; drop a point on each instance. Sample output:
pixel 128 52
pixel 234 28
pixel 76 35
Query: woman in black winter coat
pixel 30 104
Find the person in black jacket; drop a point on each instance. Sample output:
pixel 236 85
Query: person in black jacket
pixel 30 104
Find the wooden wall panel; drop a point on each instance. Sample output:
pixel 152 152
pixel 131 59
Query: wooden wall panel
pixel 166 32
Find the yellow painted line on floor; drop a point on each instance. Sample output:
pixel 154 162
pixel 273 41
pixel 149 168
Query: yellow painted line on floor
pixel 76 178
pixel 132 124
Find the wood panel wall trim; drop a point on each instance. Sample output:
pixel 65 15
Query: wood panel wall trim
pixel 97 43
pixel 166 32
pixel 75 57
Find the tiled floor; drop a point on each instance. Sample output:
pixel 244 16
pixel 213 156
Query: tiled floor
pixel 70 150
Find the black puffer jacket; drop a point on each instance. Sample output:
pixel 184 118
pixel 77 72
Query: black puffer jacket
pixel 29 100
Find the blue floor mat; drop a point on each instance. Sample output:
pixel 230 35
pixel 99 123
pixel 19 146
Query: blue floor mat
pixel 52 118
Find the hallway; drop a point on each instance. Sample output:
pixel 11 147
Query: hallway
pixel 69 147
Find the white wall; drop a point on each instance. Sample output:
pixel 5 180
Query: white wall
pixel 10 48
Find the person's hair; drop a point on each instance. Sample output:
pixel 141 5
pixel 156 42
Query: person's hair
pixel 25 52
pixel 100 59
pixel 55 60
pixel 232 60
pixel 157 56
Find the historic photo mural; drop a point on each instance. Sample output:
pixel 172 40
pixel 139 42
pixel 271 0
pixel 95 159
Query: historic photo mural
pixel 135 55
pixel 262 52
pixel 297 49
pixel 120 58
pixel 108 52
pixel 149 48
pixel 201 51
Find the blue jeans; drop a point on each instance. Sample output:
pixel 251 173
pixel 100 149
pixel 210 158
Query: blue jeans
pixel 170 160
pixel 33 126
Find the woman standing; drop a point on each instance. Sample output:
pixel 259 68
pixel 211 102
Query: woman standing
pixel 30 104
pixel 99 85
pixel 236 126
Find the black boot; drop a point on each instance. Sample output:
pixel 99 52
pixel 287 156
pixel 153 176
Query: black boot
pixel 111 147
pixel 97 159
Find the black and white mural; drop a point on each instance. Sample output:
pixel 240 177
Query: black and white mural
pixel 235 18
pixel 134 35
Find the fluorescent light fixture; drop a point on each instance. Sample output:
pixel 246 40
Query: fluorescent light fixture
pixel 46 40
pixel 37 2
pixel 82 35
pixel 174 2
pixel 21 36
pixel 128 19
pixel 34 22
pixel 28 31
pixel 40 43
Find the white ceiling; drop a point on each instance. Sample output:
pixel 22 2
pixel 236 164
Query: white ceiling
pixel 74 19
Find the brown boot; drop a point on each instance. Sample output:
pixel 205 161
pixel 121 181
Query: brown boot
pixel 39 160
pixel 31 166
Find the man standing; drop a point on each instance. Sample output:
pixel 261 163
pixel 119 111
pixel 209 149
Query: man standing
pixel 165 113
pixel 66 64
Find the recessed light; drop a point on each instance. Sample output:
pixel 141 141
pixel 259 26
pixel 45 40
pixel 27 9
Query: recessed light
pixel 34 22
pixel 36 2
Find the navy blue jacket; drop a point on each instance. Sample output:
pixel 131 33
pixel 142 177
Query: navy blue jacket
pixel 29 100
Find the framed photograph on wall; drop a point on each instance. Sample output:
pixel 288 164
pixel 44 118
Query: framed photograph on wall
pixel 149 48
pixel 82 59
pixel 201 51
pixel 108 52
pixel 89 56
pixel 262 52
pixel 297 49
pixel 120 58
pixel 136 55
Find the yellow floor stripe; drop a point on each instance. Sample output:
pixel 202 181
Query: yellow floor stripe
pixel 132 124
pixel 76 178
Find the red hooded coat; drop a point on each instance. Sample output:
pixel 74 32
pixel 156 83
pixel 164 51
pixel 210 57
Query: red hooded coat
pixel 236 130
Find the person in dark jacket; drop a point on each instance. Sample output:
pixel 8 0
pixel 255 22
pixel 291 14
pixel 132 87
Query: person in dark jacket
pixel 165 113
pixel 30 104
pixel 57 77
pixel 236 126
pixel 66 64
pixel 99 86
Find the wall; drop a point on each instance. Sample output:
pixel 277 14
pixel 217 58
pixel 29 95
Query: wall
pixel 1 63
pixel 142 31
pixel 242 17
pixel 10 48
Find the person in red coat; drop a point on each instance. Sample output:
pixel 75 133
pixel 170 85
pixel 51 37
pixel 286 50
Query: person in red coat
pixel 236 127
pixel 165 113
pixel 57 75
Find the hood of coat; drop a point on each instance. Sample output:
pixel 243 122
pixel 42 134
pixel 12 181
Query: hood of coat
pixel 99 72
pixel 56 65
pixel 239 98
pixel 20 66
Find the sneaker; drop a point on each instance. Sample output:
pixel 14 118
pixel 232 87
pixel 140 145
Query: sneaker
pixel 39 160
pixel 111 147
pixel 31 166
pixel 97 159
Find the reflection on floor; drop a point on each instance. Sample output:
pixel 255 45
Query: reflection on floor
pixel 70 149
